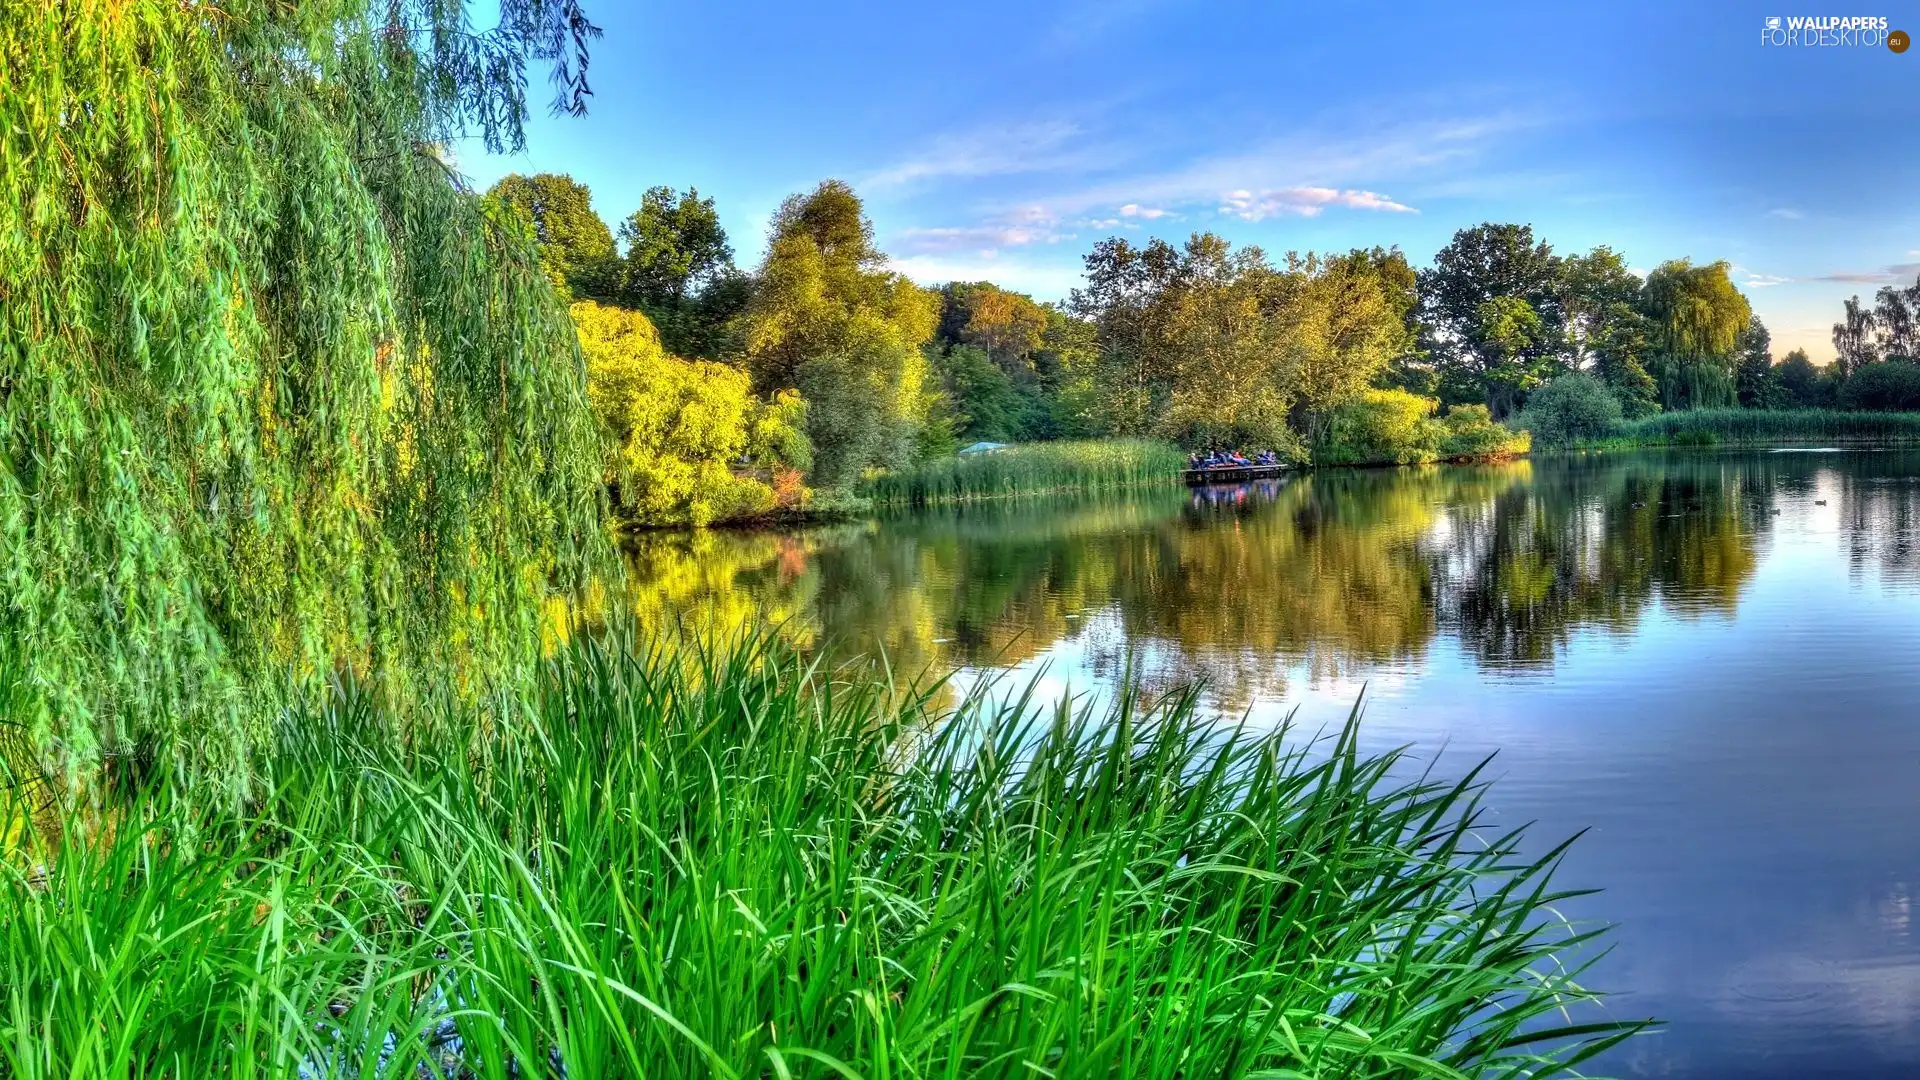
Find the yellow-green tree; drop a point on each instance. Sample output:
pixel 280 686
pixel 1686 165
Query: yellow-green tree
pixel 682 434
pixel 830 320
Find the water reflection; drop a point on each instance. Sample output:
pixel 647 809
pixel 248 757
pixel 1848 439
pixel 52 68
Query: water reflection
pixel 1322 576
pixel 1709 660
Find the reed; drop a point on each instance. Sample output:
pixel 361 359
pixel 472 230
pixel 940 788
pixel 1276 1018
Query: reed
pixel 1032 469
pixel 722 862
pixel 1707 427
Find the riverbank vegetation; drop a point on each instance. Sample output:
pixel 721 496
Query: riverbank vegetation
pixel 1032 469
pixel 1202 344
pixel 1753 427
pixel 722 861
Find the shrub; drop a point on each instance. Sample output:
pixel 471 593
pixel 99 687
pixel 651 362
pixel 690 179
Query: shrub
pixel 1469 431
pixel 1571 408
pixel 676 427
pixel 1889 386
pixel 1380 427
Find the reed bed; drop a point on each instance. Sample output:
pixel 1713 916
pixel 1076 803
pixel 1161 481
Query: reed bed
pixel 721 862
pixel 1032 469
pixel 1707 427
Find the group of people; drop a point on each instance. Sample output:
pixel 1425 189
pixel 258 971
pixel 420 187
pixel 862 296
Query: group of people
pixel 1230 459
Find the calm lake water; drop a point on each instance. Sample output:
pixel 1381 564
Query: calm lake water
pixel 1710 660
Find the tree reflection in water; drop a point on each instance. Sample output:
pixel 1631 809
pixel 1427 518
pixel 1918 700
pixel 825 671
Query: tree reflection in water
pixel 1320 575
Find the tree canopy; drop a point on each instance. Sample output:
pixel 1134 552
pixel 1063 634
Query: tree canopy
pixel 678 268
pixel 280 400
pixel 827 319
pixel 1698 315
pixel 574 243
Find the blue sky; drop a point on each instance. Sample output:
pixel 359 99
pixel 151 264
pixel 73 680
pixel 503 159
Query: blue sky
pixel 1000 140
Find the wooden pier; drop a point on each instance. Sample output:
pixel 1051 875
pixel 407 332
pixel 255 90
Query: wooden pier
pixel 1231 474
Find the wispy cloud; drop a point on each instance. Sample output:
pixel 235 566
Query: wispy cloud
pixel 998 150
pixel 1016 228
pixel 1044 281
pixel 1135 210
pixel 1785 213
pixel 1299 170
pixel 1304 202
pixel 1895 274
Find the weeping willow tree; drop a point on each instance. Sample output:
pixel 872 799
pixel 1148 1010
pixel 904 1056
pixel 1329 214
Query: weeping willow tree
pixel 279 401
pixel 1698 315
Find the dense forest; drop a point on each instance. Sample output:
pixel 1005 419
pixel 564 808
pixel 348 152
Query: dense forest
pixel 832 366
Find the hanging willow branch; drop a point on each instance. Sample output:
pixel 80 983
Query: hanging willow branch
pixel 281 401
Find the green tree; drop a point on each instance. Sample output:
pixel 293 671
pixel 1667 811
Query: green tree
pixel 678 268
pixel 1885 385
pixel 1853 342
pixel 574 243
pixel 1484 345
pixel 1511 342
pixel 1209 345
pixel 1896 319
pixel 1343 319
pixel 1621 347
pixel 1801 383
pixel 990 404
pixel 1753 378
pixel 1698 316
pixel 280 401
pixel 1125 300
pixel 1596 292
pixel 829 319
pixel 1069 362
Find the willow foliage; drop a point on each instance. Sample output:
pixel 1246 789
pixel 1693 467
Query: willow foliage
pixel 278 400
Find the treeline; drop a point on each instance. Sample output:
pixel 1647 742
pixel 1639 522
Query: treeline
pixel 834 368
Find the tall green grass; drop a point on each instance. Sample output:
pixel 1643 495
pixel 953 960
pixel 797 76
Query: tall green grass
pixel 1032 469
pixel 722 863
pixel 1706 427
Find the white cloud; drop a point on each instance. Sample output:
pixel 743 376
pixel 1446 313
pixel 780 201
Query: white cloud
pixel 1103 223
pixel 1785 213
pixel 1150 213
pixel 1304 202
pixel 1761 281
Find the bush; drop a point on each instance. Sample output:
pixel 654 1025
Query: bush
pixel 677 427
pixel 1380 427
pixel 1571 408
pixel 1889 386
pixel 1469 431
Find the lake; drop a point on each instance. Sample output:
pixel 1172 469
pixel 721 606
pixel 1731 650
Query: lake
pixel 1709 660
